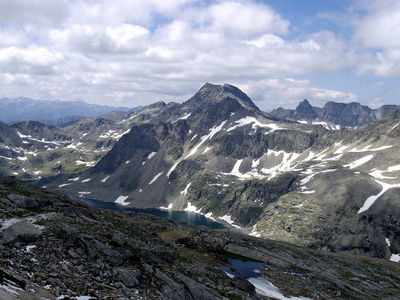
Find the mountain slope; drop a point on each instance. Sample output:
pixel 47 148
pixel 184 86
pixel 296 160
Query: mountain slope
pixel 342 114
pixel 220 156
pixel 76 251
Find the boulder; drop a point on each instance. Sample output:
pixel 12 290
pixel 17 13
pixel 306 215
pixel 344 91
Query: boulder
pixel 23 232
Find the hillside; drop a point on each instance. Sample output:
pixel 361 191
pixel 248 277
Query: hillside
pixel 53 247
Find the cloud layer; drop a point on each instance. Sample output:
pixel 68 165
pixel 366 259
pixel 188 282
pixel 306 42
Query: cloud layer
pixel 138 52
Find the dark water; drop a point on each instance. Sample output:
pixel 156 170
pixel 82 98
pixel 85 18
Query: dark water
pixel 243 267
pixel 177 216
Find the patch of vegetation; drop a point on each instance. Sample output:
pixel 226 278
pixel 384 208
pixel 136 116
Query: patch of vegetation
pixel 21 191
pixel 182 258
pixel 214 206
pixel 43 222
pixel 234 297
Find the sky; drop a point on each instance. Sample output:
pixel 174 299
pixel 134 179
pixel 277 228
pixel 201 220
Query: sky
pixel 137 52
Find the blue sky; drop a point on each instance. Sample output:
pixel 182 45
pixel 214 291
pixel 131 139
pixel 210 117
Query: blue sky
pixel 130 53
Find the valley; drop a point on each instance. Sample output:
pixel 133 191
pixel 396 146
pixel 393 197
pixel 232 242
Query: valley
pixel 218 155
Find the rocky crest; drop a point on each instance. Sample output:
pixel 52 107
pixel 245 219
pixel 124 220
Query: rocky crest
pixel 343 114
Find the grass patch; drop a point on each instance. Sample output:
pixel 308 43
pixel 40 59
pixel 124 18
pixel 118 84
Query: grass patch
pixel 43 222
pixel 234 297
pixel 182 258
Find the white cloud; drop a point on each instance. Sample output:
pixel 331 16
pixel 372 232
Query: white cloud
pixel 33 60
pixel 287 92
pixel 245 19
pixel 165 50
pixel 122 96
pixel 38 12
pixel 379 30
pixel 380 27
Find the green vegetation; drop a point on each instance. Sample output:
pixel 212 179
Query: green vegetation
pixel 43 222
pixel 234 297
pixel 182 258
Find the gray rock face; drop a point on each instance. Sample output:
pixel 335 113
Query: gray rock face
pixel 27 202
pixel 23 232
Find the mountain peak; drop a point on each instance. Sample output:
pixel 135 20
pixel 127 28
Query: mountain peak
pixel 217 93
pixel 305 111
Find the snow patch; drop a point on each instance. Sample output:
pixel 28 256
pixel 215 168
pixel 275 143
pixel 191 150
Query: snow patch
pixel 371 200
pixel 184 192
pixel 172 169
pixel 359 162
pixel 151 155
pixel 86 180
pixel 283 166
pixel 213 131
pixel 205 150
pixel 169 206
pixel 74 179
pixel 266 288
pixel 229 220
pixel 395 257
pixel 185 117
pixel 87 163
pixel 366 149
pixel 121 200
pixel 81 194
pixel 235 171
pixel 256 123
pixel 307 192
pixel 155 177
pixel 65 184
pixel 8 223
pixel 378 173
pixel 192 208
pixel 105 179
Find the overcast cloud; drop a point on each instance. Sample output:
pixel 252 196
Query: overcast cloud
pixel 136 52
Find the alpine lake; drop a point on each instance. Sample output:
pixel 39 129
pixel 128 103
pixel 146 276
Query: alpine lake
pixel 239 266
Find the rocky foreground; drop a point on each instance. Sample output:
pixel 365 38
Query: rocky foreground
pixel 52 247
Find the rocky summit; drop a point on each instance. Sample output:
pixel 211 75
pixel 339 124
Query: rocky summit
pixel 52 247
pixel 325 188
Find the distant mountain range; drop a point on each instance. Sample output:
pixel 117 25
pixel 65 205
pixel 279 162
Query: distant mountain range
pixel 55 112
pixel 335 114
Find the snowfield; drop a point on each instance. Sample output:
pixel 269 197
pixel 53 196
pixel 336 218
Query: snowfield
pixel 121 200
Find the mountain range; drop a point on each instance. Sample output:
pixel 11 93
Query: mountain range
pixel 335 115
pixel 53 112
pixel 217 154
